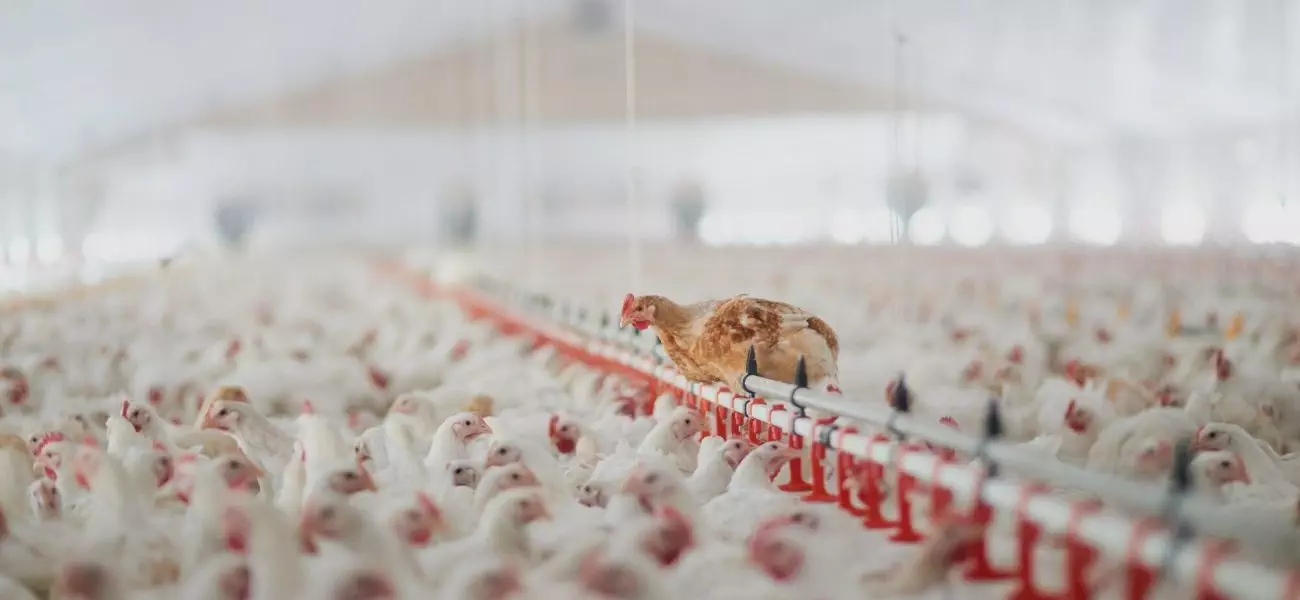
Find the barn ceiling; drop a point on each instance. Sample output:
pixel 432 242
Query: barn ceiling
pixel 76 75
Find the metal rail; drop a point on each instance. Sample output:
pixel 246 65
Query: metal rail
pixel 1168 550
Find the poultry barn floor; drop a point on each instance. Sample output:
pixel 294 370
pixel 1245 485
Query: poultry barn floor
pixel 329 428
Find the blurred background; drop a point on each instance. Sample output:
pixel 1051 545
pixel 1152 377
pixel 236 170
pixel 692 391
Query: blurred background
pixel 132 130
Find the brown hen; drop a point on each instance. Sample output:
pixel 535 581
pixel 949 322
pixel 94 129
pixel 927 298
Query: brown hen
pixel 708 341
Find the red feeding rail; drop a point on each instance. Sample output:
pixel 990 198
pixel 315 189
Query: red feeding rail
pixel 1144 547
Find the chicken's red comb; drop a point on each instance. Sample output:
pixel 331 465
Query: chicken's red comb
pixel 377 377
pixel 89 442
pixel 159 446
pixel 553 425
pixel 308 408
pixel 126 405
pixel 47 439
pixel 354 418
pixel 628 301
pixel 1016 354
pixel 949 422
pixel 155 395
pixel 1222 366
pixel 1072 417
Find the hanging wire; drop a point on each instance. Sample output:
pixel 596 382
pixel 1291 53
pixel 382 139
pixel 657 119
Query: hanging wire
pixel 629 139
pixel 894 141
pixel 474 84
pixel 1284 102
pixel 530 93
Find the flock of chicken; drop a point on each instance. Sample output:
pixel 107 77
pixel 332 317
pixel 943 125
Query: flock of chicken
pixel 312 429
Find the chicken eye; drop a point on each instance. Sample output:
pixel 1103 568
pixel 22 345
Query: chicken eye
pixel 467 423
pixel 1211 435
pixel 327 513
pixel 502 451
pixel 459 470
pixel 349 475
pixel 514 477
pixel 652 478
pixel 223 412
pixel 234 464
pixel 1226 464
pixel 36 439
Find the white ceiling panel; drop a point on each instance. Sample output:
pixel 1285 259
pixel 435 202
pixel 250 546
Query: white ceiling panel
pixel 76 74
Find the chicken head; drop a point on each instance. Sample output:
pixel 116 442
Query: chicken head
pixel 592 494
pixel 408 404
pixel 469 426
pixel 364 585
pixel 1219 467
pixel 1154 457
pixel 670 537
pixel 45 499
pixel 638 311
pixel 223 415
pixel 418 524
pixel 686 423
pixel 650 485
pixel 163 467
pixel 1213 436
pixel 774 456
pixel 610 578
pixel 502 452
pixel 328 516
pixel 465 472
pixel 529 507
pixel 238 471
pixel 734 451
pixel 563 433
pixel 351 480
pixel 775 554
pixel 138 415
